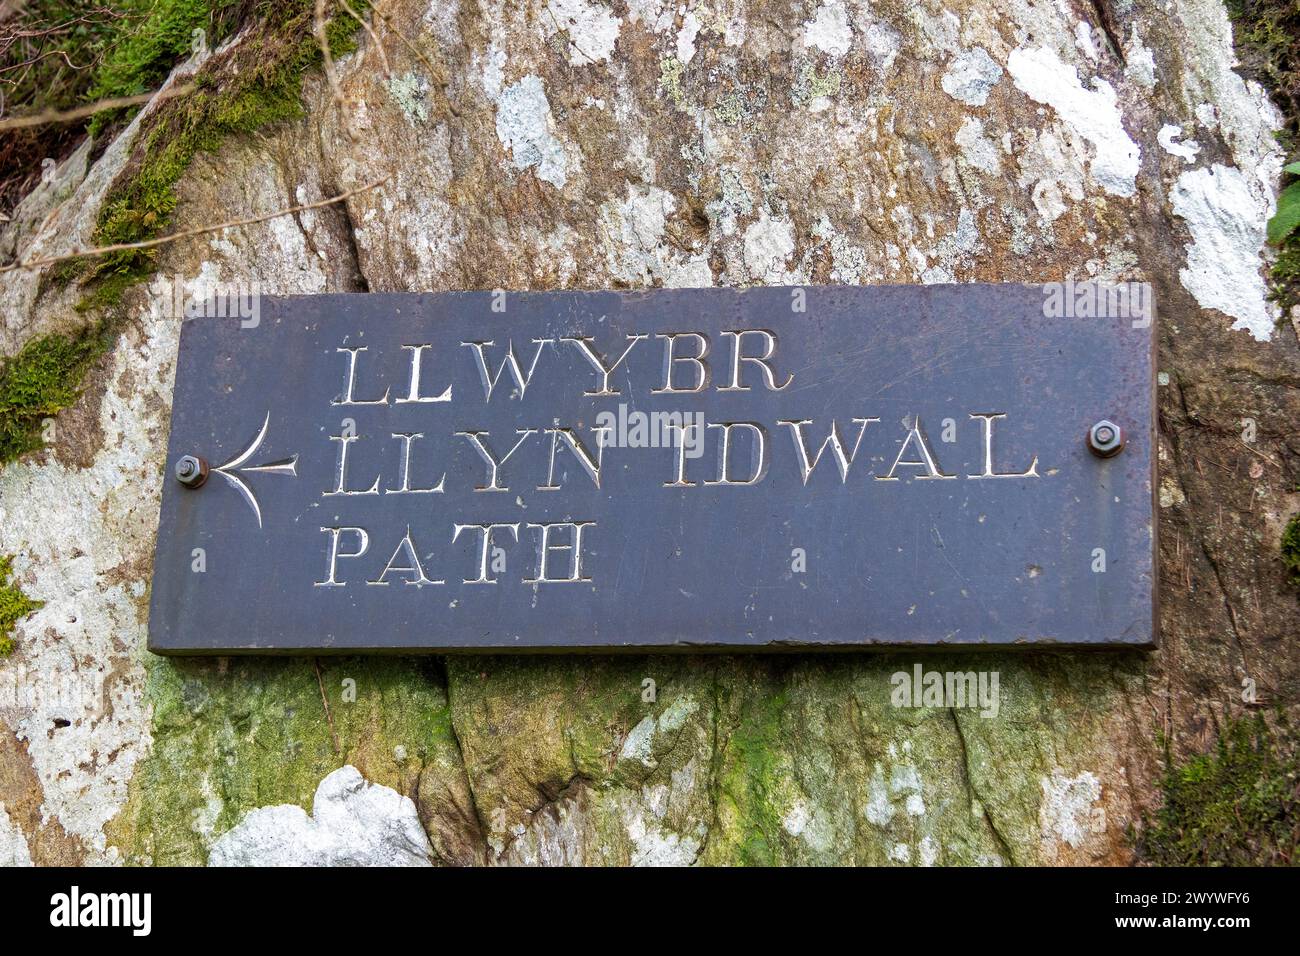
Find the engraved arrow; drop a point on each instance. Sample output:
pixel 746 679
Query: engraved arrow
pixel 286 466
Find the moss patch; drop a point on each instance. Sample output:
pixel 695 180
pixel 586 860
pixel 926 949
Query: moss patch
pixel 14 605
pixel 754 781
pixel 1267 38
pixel 42 379
pixel 248 86
pixel 253 732
pixel 162 33
pixel 68 53
pixel 1236 806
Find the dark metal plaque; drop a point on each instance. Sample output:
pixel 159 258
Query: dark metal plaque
pixel 539 471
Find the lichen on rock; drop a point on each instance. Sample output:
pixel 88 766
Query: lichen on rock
pixel 584 145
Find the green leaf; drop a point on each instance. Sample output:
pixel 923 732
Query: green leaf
pixel 1293 169
pixel 1287 217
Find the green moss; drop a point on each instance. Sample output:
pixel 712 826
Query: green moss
pixel 755 779
pixel 1291 550
pixel 162 34
pixel 1267 36
pixel 239 91
pixel 1236 806
pixel 42 379
pixel 254 732
pixel 14 605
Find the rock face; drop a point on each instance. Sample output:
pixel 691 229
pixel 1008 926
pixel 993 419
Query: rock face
pixel 577 144
pixel 352 823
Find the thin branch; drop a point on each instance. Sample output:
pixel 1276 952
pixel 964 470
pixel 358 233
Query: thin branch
pixel 188 233
pixel 43 55
pixel 320 681
pixel 319 20
pixel 383 57
pixel 81 112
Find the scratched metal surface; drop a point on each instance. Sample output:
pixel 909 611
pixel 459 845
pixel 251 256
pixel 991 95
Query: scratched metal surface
pixel 957 562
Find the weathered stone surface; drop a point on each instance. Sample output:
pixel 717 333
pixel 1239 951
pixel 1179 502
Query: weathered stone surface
pixel 585 144
pixel 352 823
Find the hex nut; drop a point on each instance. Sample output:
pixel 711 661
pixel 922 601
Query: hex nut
pixel 191 471
pixel 1105 439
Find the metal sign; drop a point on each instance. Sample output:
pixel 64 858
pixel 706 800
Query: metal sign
pixel 768 468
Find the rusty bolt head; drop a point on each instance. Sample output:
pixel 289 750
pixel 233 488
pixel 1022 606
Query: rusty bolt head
pixel 1105 439
pixel 191 471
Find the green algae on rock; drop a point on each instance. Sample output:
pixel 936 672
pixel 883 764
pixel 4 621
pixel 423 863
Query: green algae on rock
pixel 14 605
pixel 39 382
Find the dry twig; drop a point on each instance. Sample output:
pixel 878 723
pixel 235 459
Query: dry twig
pixel 187 233
pixel 81 112
pixel 329 718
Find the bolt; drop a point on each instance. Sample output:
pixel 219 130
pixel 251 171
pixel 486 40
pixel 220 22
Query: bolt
pixel 1105 439
pixel 191 471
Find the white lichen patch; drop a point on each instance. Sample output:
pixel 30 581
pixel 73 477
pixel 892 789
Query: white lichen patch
pixel 935 33
pixel 970 76
pixel 809 823
pixel 1055 174
pixel 896 792
pixel 733 202
pixel 353 823
pixel 882 43
pixel 976 148
pixel 490 67
pixel 526 128
pixel 1239 110
pixel 639 745
pixel 829 30
pixel 1224 264
pixel 953 250
pixel 13 845
pixel 632 230
pixel 1069 812
pixel 1092 114
pixel 878 810
pixel 928 850
pixel 1139 63
pixel 652 845
pixel 848 261
pixel 1168 139
pixel 686 37
pixel 591 28
pixel 769 244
